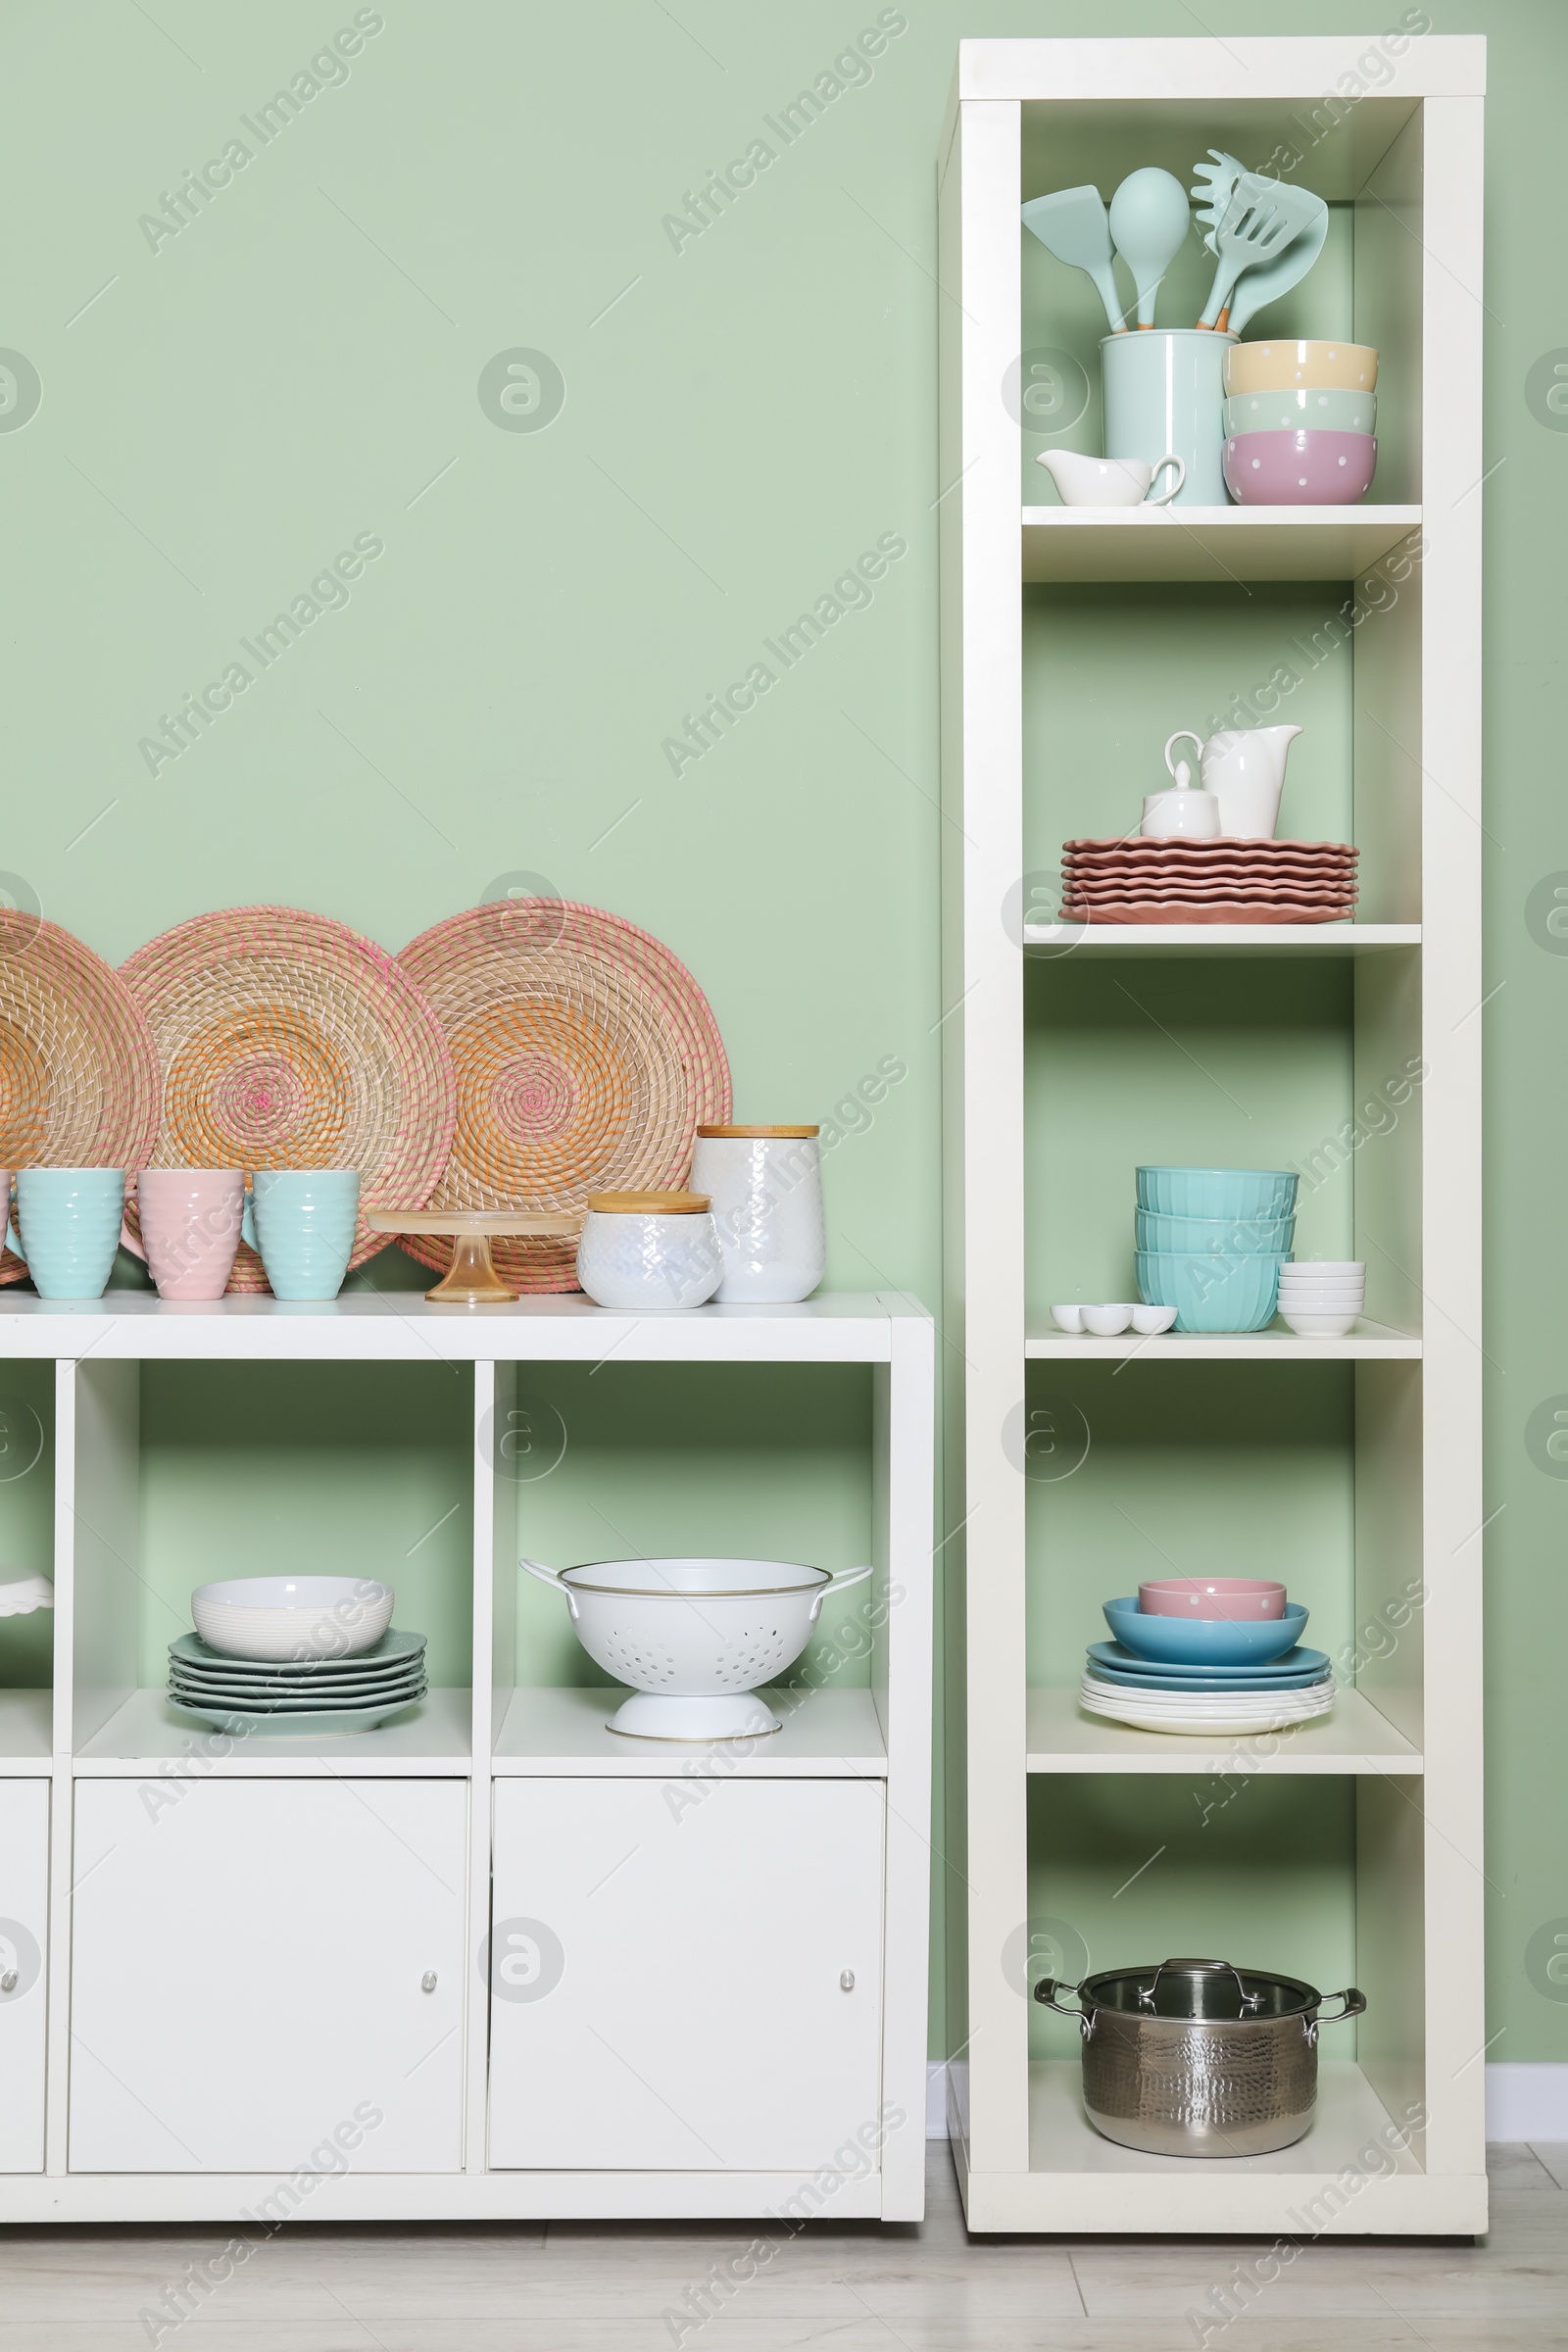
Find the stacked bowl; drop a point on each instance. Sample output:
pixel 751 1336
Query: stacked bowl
pixel 1299 422
pixel 1212 1243
pixel 295 1656
pixel 1206 1654
pixel 1321 1298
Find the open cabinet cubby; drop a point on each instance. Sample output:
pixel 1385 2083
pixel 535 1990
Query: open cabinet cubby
pixel 1075 641
pixel 460 1918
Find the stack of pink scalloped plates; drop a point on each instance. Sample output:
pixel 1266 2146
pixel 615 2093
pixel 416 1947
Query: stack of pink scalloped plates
pixel 1224 881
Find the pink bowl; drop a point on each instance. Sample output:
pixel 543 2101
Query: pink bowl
pixel 1305 468
pixel 1232 1599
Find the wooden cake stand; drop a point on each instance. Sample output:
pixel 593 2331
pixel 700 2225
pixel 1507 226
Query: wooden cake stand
pixel 471 1280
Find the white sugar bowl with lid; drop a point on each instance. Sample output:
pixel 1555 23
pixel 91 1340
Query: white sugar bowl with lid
pixel 646 1252
pixel 766 1184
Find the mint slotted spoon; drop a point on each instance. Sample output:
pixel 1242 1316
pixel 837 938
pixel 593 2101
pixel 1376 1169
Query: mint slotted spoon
pixel 1257 288
pixel 1261 220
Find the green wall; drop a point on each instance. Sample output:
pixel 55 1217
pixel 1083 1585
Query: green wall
pixel 743 416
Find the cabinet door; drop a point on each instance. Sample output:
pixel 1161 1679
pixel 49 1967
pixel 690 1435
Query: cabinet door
pixel 248 1970
pixel 667 1974
pixel 23 1943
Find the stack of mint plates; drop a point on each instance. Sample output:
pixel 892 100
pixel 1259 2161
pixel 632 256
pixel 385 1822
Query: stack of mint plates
pixel 1123 1688
pixel 297 1697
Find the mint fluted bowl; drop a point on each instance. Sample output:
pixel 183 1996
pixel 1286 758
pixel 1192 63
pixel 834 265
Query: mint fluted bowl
pixel 1212 1291
pixel 1217 1192
pixel 1187 1236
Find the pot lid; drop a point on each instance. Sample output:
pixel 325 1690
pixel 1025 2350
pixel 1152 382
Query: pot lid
pixel 1213 1990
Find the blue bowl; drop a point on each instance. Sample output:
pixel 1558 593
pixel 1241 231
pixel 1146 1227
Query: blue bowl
pixel 1217 1192
pixel 1239 1236
pixel 1204 1640
pixel 1210 1292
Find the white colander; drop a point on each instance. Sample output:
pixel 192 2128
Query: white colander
pixel 693 1638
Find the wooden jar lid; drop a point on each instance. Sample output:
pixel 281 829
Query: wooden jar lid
pixel 717 1132
pixel 647 1204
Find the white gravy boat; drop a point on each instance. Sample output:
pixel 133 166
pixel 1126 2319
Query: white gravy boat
pixel 1106 481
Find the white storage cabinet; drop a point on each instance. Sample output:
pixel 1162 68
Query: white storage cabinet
pixel 258 1976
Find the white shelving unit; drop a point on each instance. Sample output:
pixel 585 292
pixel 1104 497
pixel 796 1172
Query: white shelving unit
pixel 707 1991
pixel 1402 1756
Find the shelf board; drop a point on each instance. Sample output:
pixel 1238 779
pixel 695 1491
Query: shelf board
pixel 1356 1738
pixel 1349 2175
pixel 383 1326
pixel 1062 2139
pixel 827 1734
pixel 1219 939
pixel 433 1740
pixel 26 1730
pixel 1211 543
pixel 1375 1341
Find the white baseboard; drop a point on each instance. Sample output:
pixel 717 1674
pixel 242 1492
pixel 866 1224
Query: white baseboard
pixel 1527 2102
pixel 1523 2102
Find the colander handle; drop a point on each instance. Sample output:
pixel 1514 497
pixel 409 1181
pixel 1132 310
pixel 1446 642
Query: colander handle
pixel 552 1578
pixel 840 1583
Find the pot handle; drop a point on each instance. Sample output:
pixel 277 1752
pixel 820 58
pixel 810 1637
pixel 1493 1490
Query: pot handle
pixel 1354 2003
pixel 1045 1992
pixel 1219 1968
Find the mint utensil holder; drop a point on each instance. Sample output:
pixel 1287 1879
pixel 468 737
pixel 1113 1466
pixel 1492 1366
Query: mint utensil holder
pixel 1165 393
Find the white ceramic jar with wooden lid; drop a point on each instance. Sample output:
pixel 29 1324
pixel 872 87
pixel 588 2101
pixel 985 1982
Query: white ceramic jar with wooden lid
pixel 647 1252
pixel 766 1184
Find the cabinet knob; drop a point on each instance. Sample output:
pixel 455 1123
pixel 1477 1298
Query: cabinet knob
pixel 8 1982
pixel 846 1980
pixel 427 1980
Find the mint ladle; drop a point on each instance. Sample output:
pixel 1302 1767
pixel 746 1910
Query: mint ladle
pixel 1148 224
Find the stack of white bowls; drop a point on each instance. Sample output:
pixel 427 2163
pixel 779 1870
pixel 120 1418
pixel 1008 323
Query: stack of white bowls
pixel 1321 1298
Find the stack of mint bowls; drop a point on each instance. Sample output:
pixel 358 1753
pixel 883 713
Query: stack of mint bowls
pixel 1212 1243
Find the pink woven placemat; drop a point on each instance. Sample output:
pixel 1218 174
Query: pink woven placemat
pixel 586 1054
pixel 79 1074
pixel 289 1041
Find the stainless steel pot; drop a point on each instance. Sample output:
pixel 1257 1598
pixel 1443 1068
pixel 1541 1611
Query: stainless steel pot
pixel 1198 2058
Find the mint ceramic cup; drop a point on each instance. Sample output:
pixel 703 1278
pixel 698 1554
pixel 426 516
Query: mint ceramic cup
pixel 69 1222
pixel 303 1222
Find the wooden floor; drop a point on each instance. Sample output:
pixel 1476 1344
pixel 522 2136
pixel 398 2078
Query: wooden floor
pixel 582 2287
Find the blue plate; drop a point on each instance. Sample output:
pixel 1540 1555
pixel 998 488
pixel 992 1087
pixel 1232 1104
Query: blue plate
pixel 1276 1685
pixel 1296 1662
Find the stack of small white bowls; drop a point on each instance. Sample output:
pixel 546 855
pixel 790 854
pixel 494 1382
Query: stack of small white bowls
pixel 1321 1298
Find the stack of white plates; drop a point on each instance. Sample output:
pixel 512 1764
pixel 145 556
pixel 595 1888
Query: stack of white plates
pixel 298 1696
pixel 1123 1688
pixel 1320 1298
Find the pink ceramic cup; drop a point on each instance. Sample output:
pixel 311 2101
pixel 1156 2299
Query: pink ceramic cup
pixel 190 1221
pixel 1236 1599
